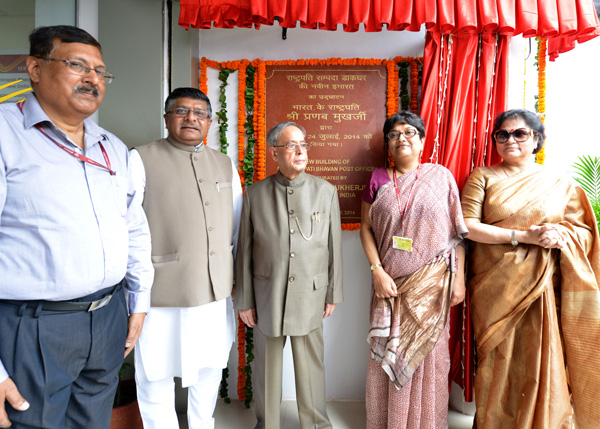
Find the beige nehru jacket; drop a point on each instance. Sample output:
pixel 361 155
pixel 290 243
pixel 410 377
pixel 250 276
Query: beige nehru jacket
pixel 285 277
pixel 188 202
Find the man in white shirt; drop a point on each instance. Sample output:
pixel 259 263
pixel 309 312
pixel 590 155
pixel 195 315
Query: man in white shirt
pixel 73 236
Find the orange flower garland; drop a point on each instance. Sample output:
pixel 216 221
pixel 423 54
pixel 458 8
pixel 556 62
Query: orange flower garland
pixel 241 384
pixel 242 116
pixel 392 88
pixel 414 85
pixel 259 120
pixel 541 102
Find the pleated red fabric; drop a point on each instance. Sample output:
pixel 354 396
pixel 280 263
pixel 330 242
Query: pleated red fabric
pixel 464 88
pixel 563 22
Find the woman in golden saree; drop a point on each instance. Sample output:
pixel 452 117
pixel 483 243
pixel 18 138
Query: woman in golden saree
pixel 533 277
pixel 411 226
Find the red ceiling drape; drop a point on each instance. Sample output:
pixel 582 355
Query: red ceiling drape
pixel 562 22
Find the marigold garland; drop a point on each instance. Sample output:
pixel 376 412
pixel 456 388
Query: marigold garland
pixel 224 387
pixel 242 117
pixel 241 335
pixel 540 105
pixel 248 161
pixel 414 85
pixel 222 113
pixel 244 385
pixel 259 119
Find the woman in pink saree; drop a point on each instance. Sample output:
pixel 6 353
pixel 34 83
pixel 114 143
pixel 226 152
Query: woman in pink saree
pixel 410 228
pixel 533 277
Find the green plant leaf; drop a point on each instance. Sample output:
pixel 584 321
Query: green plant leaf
pixel 587 174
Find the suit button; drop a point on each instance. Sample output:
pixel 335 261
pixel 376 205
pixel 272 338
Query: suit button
pixel 212 252
pixel 210 228
pixel 200 180
pixel 292 255
pixel 195 158
pixel 292 278
pixel 291 212
pixel 290 191
pixel 292 231
pixel 206 203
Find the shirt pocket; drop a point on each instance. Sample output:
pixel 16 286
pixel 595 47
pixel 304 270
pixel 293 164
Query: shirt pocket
pixel 119 185
pixel 160 259
pixel 219 186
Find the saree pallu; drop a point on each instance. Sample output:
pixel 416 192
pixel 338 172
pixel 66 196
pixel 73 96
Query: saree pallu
pixel 404 329
pixel 536 311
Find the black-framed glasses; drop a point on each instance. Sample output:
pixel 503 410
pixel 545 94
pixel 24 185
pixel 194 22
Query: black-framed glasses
pixel 184 111
pixel 82 69
pixel 408 133
pixel 520 135
pixel 295 147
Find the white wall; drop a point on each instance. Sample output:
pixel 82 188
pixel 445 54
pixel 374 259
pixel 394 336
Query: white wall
pixel 572 111
pixel 572 98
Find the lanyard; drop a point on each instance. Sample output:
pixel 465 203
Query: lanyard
pixel 74 153
pixel 408 200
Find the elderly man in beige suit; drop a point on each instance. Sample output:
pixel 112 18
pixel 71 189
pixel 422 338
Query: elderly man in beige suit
pixel 289 276
pixel 192 199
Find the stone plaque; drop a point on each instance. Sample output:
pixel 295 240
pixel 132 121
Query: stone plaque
pixel 343 109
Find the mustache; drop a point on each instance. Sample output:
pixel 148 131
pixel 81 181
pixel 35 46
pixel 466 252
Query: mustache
pixel 87 89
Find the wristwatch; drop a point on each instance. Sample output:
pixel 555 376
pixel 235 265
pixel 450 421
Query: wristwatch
pixel 375 266
pixel 513 239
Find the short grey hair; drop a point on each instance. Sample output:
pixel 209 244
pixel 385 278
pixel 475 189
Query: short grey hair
pixel 276 131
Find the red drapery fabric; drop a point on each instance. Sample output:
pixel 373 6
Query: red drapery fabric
pixel 463 90
pixel 562 22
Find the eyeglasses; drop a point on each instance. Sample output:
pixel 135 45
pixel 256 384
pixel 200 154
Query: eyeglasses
pixel 295 147
pixel 520 135
pixel 408 133
pixel 184 111
pixel 82 69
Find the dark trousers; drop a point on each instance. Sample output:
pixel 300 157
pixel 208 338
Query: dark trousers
pixel 65 364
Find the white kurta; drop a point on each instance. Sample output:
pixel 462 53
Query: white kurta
pixel 180 341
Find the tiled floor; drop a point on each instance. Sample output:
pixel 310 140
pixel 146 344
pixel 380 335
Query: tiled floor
pixel 343 415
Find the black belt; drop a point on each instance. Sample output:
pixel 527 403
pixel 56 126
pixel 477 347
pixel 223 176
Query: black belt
pixel 67 305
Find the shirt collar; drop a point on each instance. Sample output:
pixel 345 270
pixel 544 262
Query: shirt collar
pixel 299 180
pixel 185 147
pixel 33 114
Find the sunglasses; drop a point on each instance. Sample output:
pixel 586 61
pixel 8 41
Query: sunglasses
pixel 520 135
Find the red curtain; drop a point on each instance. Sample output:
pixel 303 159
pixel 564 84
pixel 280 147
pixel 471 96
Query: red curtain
pixel 464 89
pixel 563 22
